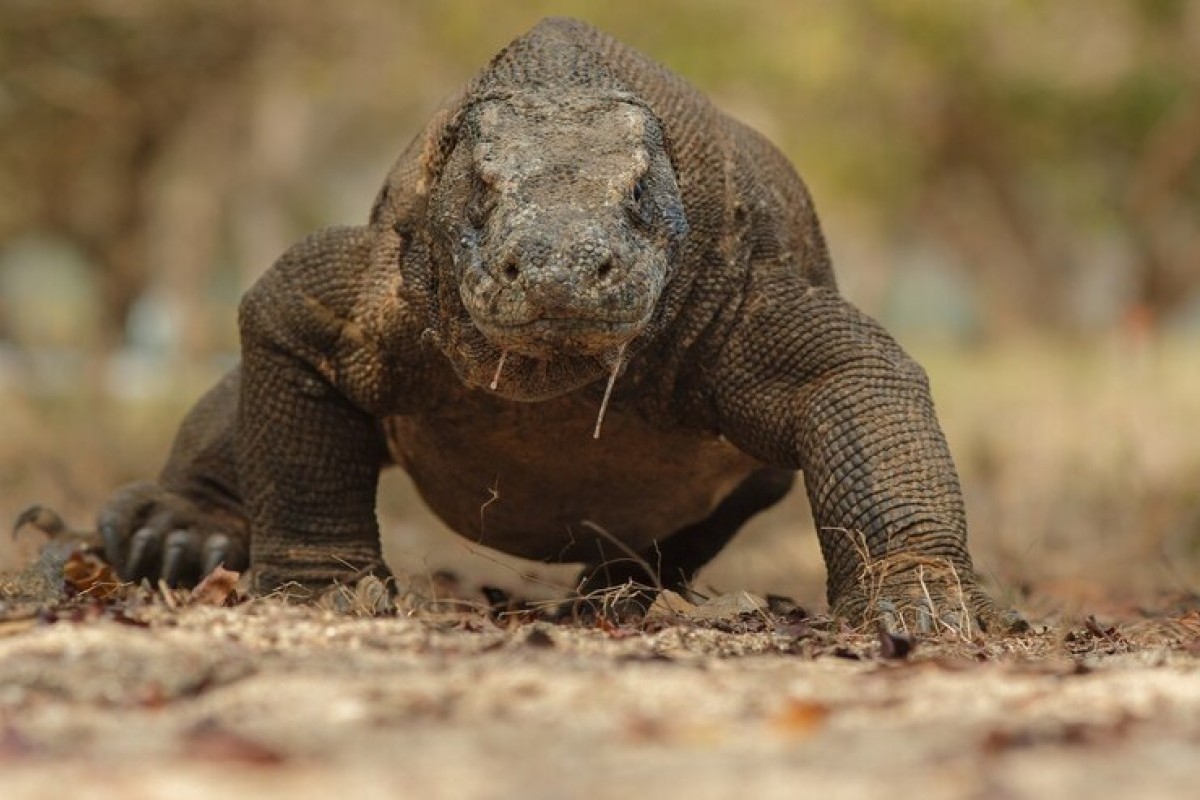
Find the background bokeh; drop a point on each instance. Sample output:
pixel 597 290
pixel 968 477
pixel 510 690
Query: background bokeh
pixel 1013 187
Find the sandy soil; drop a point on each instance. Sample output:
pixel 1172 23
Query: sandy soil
pixel 153 696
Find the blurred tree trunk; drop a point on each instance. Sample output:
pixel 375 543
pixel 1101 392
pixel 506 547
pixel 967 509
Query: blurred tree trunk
pixel 1164 224
pixel 119 246
pixel 96 95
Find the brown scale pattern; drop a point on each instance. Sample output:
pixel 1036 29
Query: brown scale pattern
pixel 752 362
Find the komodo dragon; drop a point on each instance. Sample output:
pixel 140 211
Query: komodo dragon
pixel 588 309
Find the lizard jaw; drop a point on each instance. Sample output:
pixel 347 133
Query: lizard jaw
pixel 548 339
pixel 492 366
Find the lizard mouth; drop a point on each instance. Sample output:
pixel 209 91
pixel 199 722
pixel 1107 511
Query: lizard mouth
pixel 550 337
pixel 537 359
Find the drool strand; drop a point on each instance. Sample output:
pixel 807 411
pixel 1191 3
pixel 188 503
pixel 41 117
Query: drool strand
pixel 612 380
pixel 499 366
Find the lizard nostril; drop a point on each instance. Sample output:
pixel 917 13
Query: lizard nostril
pixel 605 268
pixel 511 271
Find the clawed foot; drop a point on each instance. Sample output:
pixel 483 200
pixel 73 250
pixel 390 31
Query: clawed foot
pixel 61 539
pixel 368 596
pixel 626 603
pixel 925 596
pixel 367 587
pixel 149 532
pixel 621 590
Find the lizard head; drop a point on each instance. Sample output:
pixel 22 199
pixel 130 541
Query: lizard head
pixel 553 226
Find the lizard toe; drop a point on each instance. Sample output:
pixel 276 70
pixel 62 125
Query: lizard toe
pixel 223 550
pixel 318 582
pixel 151 533
pixel 182 550
pixel 927 605
pixel 143 558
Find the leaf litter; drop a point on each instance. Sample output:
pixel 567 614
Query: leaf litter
pixel 258 683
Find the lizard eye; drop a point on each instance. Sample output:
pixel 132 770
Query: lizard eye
pixel 478 206
pixel 636 208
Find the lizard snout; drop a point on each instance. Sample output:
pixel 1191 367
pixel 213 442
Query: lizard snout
pixel 560 279
pixel 562 288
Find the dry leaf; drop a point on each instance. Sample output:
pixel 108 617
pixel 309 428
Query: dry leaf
pixel 800 717
pixel 213 743
pixel 729 606
pixel 643 728
pixel 219 588
pixel 86 573
pixel 670 605
pixel 783 606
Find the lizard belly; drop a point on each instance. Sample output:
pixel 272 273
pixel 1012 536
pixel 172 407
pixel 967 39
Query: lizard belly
pixel 529 479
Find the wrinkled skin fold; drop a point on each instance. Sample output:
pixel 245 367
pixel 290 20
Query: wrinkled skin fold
pixel 576 227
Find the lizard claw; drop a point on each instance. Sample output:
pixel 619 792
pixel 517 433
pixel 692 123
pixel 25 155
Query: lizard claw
pixel 221 549
pixel 181 558
pixel 369 596
pixel 151 533
pixel 928 605
pixel 367 587
pixel 62 540
pixel 144 555
pixel 44 519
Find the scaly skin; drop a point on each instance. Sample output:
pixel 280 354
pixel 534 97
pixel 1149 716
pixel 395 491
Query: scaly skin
pixel 577 216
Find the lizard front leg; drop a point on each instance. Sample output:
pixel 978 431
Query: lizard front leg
pixel 277 465
pixel 309 463
pixel 328 348
pixel 807 381
pixel 191 519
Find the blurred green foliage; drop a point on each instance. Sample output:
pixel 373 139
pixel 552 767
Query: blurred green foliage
pixel 1045 155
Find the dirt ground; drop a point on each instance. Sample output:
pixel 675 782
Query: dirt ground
pixel 1085 512
pixel 133 699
